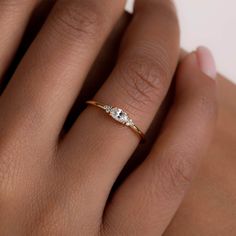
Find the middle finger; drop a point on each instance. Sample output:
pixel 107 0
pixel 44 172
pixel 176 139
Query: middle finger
pixel 53 70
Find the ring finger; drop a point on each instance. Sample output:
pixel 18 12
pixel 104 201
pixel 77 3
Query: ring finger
pixel 138 85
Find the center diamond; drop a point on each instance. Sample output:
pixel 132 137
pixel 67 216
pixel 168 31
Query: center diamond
pixel 119 115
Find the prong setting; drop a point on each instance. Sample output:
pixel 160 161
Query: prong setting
pixel 119 115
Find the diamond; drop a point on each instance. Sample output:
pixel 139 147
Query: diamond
pixel 119 115
pixel 107 108
pixel 130 122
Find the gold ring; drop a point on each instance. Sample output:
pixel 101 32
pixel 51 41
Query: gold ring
pixel 118 115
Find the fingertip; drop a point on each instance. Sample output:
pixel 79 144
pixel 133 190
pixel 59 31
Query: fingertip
pixel 188 72
pixel 198 66
pixel 196 83
pixel 206 61
pixel 200 60
pixel 190 62
pixel 195 80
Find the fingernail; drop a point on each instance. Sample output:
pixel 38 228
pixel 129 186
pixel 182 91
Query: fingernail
pixel 206 62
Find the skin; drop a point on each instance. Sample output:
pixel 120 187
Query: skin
pixel 209 208
pixel 217 203
pixel 47 172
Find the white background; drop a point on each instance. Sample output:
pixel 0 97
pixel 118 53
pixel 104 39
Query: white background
pixel 211 23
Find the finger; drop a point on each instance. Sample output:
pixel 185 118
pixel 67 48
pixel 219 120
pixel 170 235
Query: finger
pixel 52 72
pixel 14 19
pixel 152 194
pixel 100 70
pixel 153 132
pixel 138 84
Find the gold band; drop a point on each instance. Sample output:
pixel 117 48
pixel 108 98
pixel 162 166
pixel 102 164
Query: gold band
pixel 119 115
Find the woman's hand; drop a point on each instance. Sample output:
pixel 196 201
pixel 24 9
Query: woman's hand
pixel 58 183
pixel 210 205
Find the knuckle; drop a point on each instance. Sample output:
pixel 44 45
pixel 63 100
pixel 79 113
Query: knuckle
pixel 176 173
pixel 178 169
pixel 144 80
pixel 80 21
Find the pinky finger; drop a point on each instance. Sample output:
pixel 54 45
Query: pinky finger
pixel 149 198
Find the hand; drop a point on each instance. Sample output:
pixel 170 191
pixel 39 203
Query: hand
pixel 54 184
pixel 209 207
